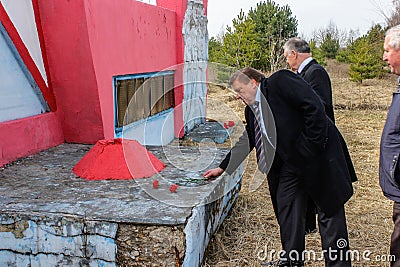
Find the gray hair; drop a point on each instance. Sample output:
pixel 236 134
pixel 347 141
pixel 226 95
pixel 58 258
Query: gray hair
pixel 394 34
pixel 297 44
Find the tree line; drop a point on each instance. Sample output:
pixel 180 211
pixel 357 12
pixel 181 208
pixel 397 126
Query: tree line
pixel 256 39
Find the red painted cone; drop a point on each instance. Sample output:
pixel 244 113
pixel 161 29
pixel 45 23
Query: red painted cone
pixel 118 159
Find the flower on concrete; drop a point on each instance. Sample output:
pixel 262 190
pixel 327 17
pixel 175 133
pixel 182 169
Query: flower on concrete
pixel 155 184
pixel 173 188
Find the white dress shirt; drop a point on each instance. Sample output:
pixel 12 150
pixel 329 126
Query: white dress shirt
pixel 258 100
pixel 303 64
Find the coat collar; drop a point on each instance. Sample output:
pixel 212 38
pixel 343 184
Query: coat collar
pixel 306 67
pixel 304 64
pixel 397 90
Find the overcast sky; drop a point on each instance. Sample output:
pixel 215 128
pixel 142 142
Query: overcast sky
pixel 311 14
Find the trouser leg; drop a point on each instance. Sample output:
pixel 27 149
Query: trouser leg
pixel 395 238
pixel 273 189
pixel 291 206
pixel 334 237
pixel 311 220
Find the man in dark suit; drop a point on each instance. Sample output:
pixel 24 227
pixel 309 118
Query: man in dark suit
pixel 298 56
pixel 301 153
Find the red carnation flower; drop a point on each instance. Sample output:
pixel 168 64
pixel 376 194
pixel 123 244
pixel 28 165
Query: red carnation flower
pixel 173 188
pixel 155 184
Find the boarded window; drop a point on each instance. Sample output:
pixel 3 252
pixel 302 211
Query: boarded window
pixel 141 96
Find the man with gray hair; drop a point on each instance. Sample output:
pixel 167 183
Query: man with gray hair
pixel 298 56
pixel 389 170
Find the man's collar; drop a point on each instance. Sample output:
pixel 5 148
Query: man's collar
pixel 258 94
pixel 304 64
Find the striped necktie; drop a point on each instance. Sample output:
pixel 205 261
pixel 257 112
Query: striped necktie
pixel 262 163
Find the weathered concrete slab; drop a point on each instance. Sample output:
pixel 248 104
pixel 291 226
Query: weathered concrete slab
pixel 50 216
pixel 211 131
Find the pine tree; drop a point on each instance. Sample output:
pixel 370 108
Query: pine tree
pixel 274 25
pixel 255 40
pixel 365 56
pixel 240 47
pixel 317 53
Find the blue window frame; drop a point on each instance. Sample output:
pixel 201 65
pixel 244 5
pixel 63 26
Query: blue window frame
pixel 140 96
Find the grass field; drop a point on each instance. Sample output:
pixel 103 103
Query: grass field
pixel 251 228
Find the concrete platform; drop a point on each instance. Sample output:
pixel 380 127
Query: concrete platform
pixel 50 217
pixel 212 131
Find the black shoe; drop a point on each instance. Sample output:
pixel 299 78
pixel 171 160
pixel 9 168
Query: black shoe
pixel 277 263
pixel 281 263
pixel 311 231
pixel 297 263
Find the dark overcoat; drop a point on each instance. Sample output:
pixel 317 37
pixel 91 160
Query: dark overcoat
pixel 302 138
pixel 320 82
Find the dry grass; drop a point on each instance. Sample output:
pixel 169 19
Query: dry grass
pixel 252 227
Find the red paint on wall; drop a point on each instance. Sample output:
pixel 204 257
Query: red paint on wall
pixel 23 137
pixel 205 3
pixel 179 7
pixel 137 38
pixel 35 4
pixel 72 72
pixel 89 42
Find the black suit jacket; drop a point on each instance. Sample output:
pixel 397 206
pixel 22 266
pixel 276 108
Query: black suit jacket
pixel 303 139
pixel 319 80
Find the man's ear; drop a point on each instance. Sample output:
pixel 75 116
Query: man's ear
pixel 253 82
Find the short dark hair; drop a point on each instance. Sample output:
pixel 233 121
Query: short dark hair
pixel 245 75
pixel 297 44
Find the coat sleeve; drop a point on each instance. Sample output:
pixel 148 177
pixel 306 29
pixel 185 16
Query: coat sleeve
pixel 238 152
pixel 320 82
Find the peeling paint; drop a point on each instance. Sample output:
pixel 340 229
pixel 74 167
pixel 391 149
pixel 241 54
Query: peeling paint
pixel 206 219
pixel 16 228
pixel 51 240
pixel 195 36
pixel 150 245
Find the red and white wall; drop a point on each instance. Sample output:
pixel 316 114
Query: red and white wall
pixel 68 52
pixel 28 119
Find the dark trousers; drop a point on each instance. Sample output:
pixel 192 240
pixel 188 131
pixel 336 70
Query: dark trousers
pixel 311 212
pixel 334 237
pixel 290 202
pixel 395 239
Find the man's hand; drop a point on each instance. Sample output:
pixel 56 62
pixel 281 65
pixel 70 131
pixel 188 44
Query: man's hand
pixel 213 173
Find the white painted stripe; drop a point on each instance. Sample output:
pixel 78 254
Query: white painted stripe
pixel 22 16
pixel 151 2
pixel 19 98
